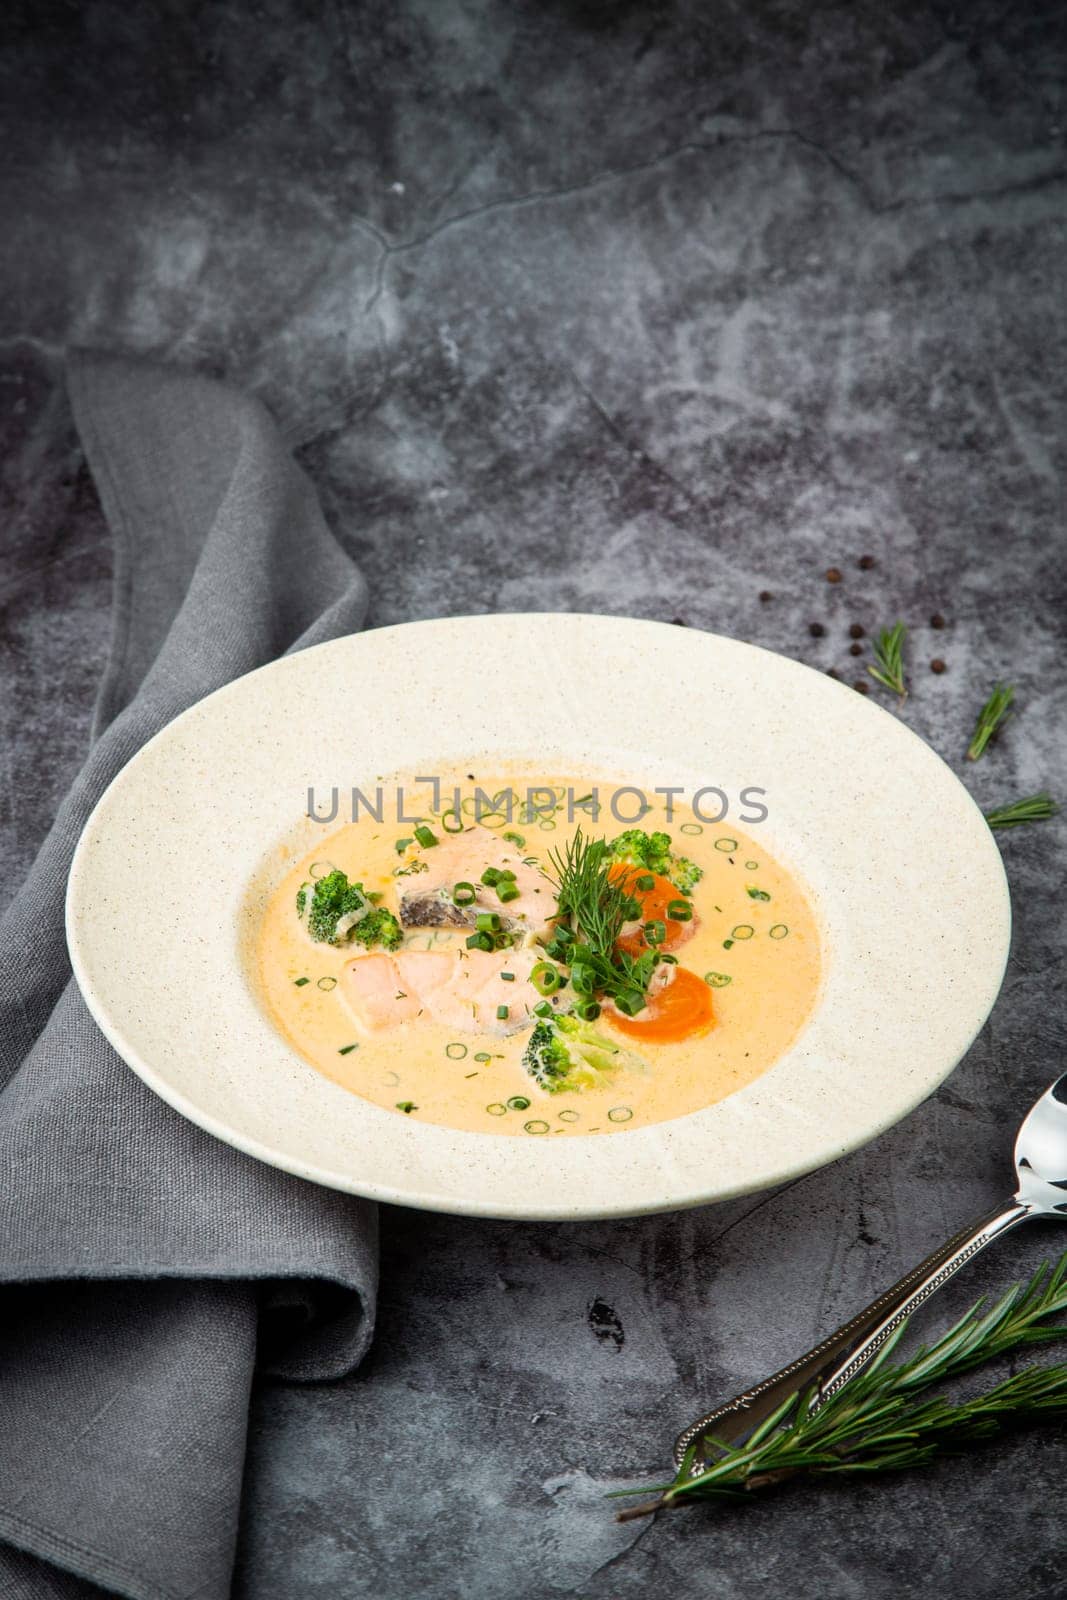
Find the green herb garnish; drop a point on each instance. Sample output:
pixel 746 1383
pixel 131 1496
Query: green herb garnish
pixel 407 1106
pixel 1035 808
pixel 593 906
pixel 888 664
pixel 873 1423
pixel 990 718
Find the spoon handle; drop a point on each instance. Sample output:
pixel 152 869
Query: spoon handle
pixel 840 1356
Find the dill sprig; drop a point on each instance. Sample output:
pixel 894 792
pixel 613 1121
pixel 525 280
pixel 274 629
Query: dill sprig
pixel 1034 808
pixel 990 718
pixel 595 903
pixel 888 664
pixel 874 1422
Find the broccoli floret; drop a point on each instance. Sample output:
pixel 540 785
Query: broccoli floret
pixel 378 927
pixel 653 852
pixel 339 912
pixel 546 1058
pixel 685 874
pixel 565 1053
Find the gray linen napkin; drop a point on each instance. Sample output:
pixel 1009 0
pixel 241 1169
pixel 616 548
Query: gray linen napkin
pixel 146 1268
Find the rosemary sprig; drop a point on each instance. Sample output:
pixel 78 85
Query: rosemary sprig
pixel 875 1424
pixel 888 664
pixel 990 718
pixel 1034 808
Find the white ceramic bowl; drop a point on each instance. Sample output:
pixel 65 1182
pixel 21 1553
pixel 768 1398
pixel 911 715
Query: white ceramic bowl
pixel 904 874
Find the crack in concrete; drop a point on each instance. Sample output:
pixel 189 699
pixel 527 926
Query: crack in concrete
pixel 389 249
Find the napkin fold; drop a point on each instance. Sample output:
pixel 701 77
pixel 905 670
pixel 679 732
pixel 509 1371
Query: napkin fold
pixel 146 1269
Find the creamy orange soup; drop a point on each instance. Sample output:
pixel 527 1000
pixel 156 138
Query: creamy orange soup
pixel 444 1040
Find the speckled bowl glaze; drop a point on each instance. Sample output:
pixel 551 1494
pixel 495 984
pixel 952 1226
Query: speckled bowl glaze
pixel 904 874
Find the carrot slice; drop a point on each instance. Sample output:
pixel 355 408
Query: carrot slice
pixel 654 903
pixel 676 1012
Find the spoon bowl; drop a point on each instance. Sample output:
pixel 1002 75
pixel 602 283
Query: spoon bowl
pixel 1041 1154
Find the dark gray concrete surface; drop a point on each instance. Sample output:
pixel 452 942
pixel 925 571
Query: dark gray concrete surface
pixel 622 307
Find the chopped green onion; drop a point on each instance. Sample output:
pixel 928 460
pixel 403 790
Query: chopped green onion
pixel 727 846
pixel 518 1102
pixel 568 1116
pixel 496 1108
pixel 455 1051
pixel 536 1127
pixel 319 869
pixel 507 977
pixel 545 977
pixel 691 827
pixel 505 875
pixel 757 894
pixel 645 882
pixel 487 922
pixel 425 836
pixel 779 930
pixel 583 980
pixel 516 839
pixel 742 931
pixel 620 1114
pixel 751 866
pixel 503 1013
pixel 587 1010
pixel 483 1055
pixel 347 1049
pixel 655 931
pixel 300 982
pixel 680 911
pixel 717 980
pixel 491 877
pixel 630 1002
pixel 673 960
pixel 463 893
pixel 728 944
pixel 451 812
pixel 407 1106
pixel 401 846
pixel 479 941
pixel 543 1009
pixel 326 984
pixel 506 892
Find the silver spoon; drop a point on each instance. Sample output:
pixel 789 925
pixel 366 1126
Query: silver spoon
pixel 1041 1168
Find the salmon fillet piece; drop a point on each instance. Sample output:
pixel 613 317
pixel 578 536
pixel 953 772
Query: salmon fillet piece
pixel 461 989
pixel 425 899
